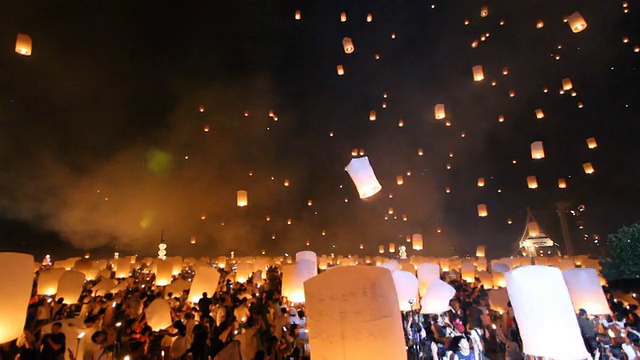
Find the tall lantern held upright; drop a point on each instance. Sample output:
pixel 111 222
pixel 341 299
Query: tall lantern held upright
pixel 16 281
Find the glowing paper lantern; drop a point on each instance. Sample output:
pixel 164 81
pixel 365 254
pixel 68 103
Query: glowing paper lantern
pixel 16 282
pixel 588 168
pixel 399 180
pixel 244 270
pixel 539 114
pixel 23 44
pixel 205 280
pixel 482 210
pixel 484 11
pixel 436 299
pixel 123 267
pixel 486 279
pixel 591 143
pixel 585 291
pixel 576 22
pixel 499 300
pixel 293 278
pixel 310 256
pixel 537 150
pixel 427 272
pixel 468 271
pixel 392 265
pixel 537 311
pixel 242 198
pixel 347 45
pixel 480 251
pixel 406 285
pixel 567 84
pixel 478 73
pixel 48 281
pixel 163 272
pixel 372 115
pixel 392 247
pixel 340 70
pixel 87 267
pixel 368 325
pixel 439 112
pixel 480 182
pixel 343 17
pixel 70 286
pixel 363 177
pixel 158 314
pixel 562 183
pixel 369 18
pixel 417 243
pixel 532 182
pixel 222 261
pixel 298 15
pixel 481 264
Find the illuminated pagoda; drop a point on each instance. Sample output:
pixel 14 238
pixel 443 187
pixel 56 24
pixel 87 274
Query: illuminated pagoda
pixel 534 242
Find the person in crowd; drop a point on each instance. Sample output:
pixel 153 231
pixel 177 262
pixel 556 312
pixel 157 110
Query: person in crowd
pixel 53 344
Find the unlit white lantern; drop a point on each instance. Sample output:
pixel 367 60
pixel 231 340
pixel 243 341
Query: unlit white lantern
pixel 576 22
pixel 158 314
pixel 311 256
pixel 48 281
pixel 427 272
pixel 500 267
pixel 205 280
pixel 543 310
pixel 163 272
pixel 368 324
pixel 586 291
pixel 363 177
pixel 392 265
pixel 406 288
pixel 436 298
pixel 70 286
pixel 16 282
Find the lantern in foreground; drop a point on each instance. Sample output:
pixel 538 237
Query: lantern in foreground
pixel 532 182
pixel 310 256
pixel 541 302
pixel 23 44
pixel 48 281
pixel 363 177
pixel 482 210
pixel 585 291
pixel 242 198
pixel 205 280
pixel 293 278
pixel 537 150
pixel 480 251
pixel 123 266
pixel 16 282
pixel 478 73
pixel 427 272
pixel 436 299
pixel 406 285
pixel 417 243
pixel 340 70
pixel 163 272
pixel 562 183
pixel 588 168
pixel 368 325
pixel 576 22
pixel 158 314
pixel 438 111
pixel 70 286
pixel 591 143
pixel 347 45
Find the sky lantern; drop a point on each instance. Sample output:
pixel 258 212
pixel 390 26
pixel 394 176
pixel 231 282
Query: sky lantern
pixel 298 15
pixel 500 118
pixel 205 280
pixel 532 182
pixel 539 24
pixel 16 282
pixel 286 182
pixel 309 202
pixel 576 22
pixel 392 247
pixel 439 111
pixel 588 168
pixel 484 11
pixel 343 17
pixel 158 314
pixel 538 311
pixel 591 143
pixel 480 251
pixel 478 73
pixel 381 249
pixel 48 281
pixel 354 152
pixel 362 175
pixel 242 198
pixel 347 45
pixel 369 17
pixel 436 297
pixel 70 286
pixel 585 291
pixel 390 211
pixel 372 115
pixel 482 210
pixel 340 70
pixel 480 182
pixel 567 84
pixel 193 240
pixel 562 183
pixel 420 151
pixel 416 242
pixel 23 44
pixel 201 108
pixel 399 180
pixel 406 285
pixel 539 114
pixel 164 270
pixel 400 123
pixel 537 150
pixel 123 267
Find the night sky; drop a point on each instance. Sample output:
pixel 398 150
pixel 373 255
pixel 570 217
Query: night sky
pixel 103 142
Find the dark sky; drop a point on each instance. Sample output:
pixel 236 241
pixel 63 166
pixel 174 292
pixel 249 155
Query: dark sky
pixel 98 122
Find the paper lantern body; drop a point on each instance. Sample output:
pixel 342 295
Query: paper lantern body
pixel 23 44
pixel 293 278
pixel 482 210
pixel 499 280
pixel 539 114
pixel 392 265
pixel 16 282
pixel 543 309
pixel 566 264
pixel 123 267
pixel 48 281
pixel 243 271
pixel 567 84
pixel 588 168
pixel 363 177
pixel 222 261
pixel 158 314
pixel 591 143
pixel 486 279
pixel 532 182
pixel 242 198
pixel 353 314
pixel 427 272
pixel 500 267
pixel 498 300
pixel 481 264
pixel 439 112
pixel 70 286
pixel 585 291
pixel 468 271
pixel 406 285
pixel 417 243
pixel 205 280
pixel 347 45
pixel 340 70
pixel 576 22
pixel 562 183
pixel 87 267
pixel 308 255
pixel 478 73
pixel 480 251
pixel 163 272
pixel 436 298
pixel 537 150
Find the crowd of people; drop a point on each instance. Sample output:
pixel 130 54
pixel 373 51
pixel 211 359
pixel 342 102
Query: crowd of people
pixel 252 320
